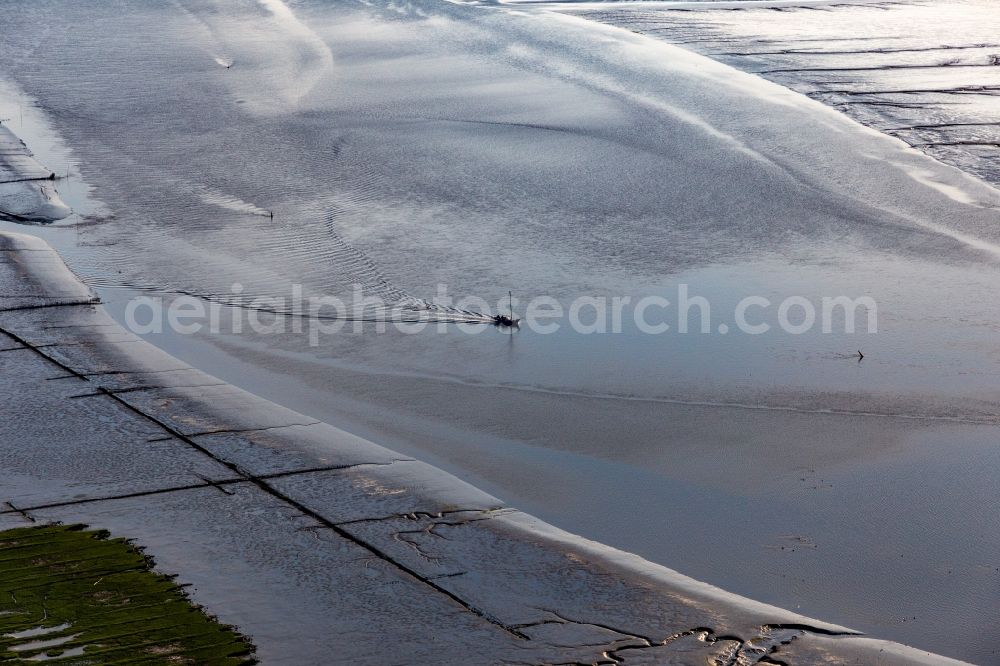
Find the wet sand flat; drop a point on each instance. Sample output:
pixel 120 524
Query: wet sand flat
pixel 558 152
pixel 320 546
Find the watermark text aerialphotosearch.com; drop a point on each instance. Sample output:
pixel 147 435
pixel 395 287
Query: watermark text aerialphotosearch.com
pixel 317 316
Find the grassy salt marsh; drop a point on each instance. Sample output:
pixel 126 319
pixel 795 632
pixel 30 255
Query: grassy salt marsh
pixel 71 596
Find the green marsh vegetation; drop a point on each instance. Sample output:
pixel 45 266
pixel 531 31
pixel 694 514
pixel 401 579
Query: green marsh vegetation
pixel 73 596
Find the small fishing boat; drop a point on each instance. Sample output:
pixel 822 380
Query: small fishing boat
pixel 504 320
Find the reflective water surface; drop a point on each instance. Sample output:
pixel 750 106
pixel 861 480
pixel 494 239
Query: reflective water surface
pixel 551 151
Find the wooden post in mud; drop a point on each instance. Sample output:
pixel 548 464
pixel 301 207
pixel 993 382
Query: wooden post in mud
pixel 510 295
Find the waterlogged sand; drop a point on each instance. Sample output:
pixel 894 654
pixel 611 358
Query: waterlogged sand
pixel 506 147
pixel 392 560
pixel 924 72
pixel 27 191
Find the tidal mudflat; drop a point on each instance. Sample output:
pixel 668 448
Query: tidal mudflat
pixel 572 151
